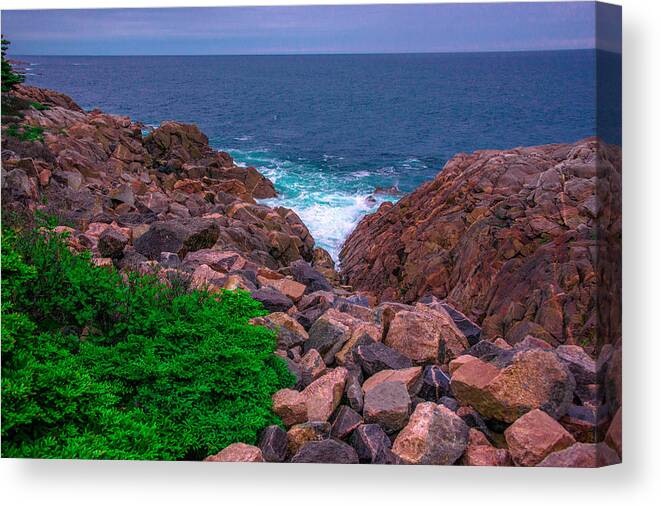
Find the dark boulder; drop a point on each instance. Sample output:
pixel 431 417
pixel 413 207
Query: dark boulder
pixel 272 299
pixel 485 350
pixel 130 261
pixel 344 421
pixel 388 404
pixel 308 317
pixel 354 392
pixel 178 236
pixel 310 277
pixel 327 335
pixel 377 356
pixel 469 328
pixel 273 444
pixel 373 445
pixel 112 243
pixel 449 402
pixel 435 383
pixel 326 451
pixel 579 362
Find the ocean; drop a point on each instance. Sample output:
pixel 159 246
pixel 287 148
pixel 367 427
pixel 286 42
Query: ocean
pixel 328 129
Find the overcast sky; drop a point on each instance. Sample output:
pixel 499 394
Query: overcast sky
pixel 313 29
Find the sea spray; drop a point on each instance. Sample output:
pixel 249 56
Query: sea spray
pixel 330 202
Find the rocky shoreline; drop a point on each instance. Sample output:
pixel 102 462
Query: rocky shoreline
pixel 472 323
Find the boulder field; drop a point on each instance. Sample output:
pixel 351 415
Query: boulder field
pixel 474 328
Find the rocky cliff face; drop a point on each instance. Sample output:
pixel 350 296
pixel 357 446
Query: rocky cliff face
pixel 524 241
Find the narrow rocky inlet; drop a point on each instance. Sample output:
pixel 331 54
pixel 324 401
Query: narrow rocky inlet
pixel 474 322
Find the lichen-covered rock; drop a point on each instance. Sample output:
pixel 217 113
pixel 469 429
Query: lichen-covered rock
pixel 425 336
pixel 434 436
pixel 480 452
pixel 323 396
pixel 411 377
pixel 45 96
pixel 290 406
pixel 315 403
pixel 387 404
pixel 293 290
pixel 312 366
pixel 238 453
pixel 300 434
pixel 455 364
pixel 289 332
pixel 218 260
pixel 535 379
pixel 534 436
pixel 175 143
pixel 582 455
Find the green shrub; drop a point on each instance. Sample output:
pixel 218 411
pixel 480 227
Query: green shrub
pixel 26 132
pixel 97 365
pixel 39 106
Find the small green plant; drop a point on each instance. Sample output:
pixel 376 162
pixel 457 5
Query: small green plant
pixel 544 238
pixel 39 106
pixel 100 366
pixel 10 78
pixel 26 132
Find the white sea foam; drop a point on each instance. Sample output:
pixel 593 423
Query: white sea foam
pixel 330 204
pixel 329 217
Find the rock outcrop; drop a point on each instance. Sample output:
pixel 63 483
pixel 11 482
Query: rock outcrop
pixel 522 241
pixel 167 192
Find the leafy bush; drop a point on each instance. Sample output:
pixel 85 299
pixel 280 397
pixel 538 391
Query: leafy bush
pixel 39 106
pixel 26 132
pixel 97 365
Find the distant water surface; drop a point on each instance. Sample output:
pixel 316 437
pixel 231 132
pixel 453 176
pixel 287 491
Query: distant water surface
pixel 328 129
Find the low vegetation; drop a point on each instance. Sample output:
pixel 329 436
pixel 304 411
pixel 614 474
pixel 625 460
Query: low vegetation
pixel 25 132
pixel 99 365
pixel 39 106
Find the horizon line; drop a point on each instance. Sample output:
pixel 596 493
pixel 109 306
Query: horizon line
pixel 332 53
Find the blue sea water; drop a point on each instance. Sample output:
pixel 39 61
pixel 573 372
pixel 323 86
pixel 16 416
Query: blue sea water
pixel 328 129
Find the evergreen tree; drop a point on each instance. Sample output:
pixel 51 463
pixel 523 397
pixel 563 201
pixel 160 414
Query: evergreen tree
pixel 10 78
